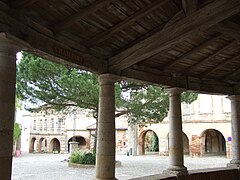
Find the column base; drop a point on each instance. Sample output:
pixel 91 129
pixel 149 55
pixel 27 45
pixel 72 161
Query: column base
pixel 234 163
pixel 176 170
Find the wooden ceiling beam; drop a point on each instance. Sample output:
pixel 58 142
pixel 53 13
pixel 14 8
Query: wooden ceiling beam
pixel 109 32
pixel 229 28
pixel 202 19
pixel 196 65
pixel 18 4
pixel 47 45
pixel 192 51
pixel 189 6
pixel 186 82
pixel 81 14
pixel 231 74
pixel 224 62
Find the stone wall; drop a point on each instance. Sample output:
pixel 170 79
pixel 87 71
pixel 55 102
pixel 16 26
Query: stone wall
pixel 201 174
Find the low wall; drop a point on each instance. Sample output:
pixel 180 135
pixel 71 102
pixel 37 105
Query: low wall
pixel 224 173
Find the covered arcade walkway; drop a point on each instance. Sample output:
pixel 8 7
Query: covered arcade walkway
pixel 180 44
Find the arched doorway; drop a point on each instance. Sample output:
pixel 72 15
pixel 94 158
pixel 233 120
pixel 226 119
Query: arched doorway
pixel 54 146
pixel 185 143
pixel 33 145
pixel 148 142
pixel 213 142
pixel 42 145
pixel 82 144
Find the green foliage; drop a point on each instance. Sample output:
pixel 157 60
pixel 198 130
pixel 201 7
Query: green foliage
pixel 147 105
pixel 154 143
pixel 17 132
pixel 188 97
pixel 80 157
pixel 150 104
pixel 43 82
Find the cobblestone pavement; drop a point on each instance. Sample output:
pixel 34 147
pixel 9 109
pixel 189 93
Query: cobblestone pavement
pixel 53 166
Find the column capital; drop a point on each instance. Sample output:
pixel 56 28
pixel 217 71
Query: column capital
pixel 234 97
pixel 11 42
pixel 108 79
pixel 174 91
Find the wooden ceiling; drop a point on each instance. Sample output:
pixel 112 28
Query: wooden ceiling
pixel 192 44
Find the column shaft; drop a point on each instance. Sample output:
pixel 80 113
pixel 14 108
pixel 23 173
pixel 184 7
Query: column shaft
pixel 235 123
pixel 105 162
pixel 7 104
pixel 176 161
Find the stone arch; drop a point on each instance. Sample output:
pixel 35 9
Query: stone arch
pixel 212 142
pixel 185 143
pixel 143 142
pixel 82 143
pixel 54 146
pixel 42 145
pixel 33 145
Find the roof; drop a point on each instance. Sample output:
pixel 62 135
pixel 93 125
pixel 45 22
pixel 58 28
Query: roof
pixel 191 44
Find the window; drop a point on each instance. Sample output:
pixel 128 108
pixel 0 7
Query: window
pixel 34 124
pixel 40 125
pixel 59 125
pixel 45 125
pixel 205 103
pixel 187 109
pixel 52 121
pixel 226 105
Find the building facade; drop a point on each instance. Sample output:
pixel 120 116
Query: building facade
pixel 52 131
pixel 206 127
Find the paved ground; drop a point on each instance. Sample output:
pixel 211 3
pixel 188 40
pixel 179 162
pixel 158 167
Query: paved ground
pixel 51 167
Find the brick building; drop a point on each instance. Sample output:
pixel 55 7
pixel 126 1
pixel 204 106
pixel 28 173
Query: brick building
pixel 51 131
pixel 206 128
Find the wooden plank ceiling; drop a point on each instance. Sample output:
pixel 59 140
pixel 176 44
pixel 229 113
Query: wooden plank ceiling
pixel 193 44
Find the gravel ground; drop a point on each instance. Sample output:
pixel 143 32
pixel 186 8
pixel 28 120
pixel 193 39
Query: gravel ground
pixel 53 166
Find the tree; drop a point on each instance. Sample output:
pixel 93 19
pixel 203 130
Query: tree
pixel 16 132
pixel 150 104
pixel 44 82
pixel 41 82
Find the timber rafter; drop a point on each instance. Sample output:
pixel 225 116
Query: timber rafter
pixel 189 53
pixel 18 4
pixel 60 26
pixel 196 65
pixel 151 40
pixel 207 17
pixel 222 64
pixel 189 6
pixel 109 32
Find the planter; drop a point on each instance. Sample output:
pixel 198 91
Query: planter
pixel 75 165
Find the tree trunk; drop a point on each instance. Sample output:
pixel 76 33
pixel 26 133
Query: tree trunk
pixel 95 136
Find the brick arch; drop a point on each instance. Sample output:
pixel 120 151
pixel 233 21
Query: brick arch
pixel 42 144
pixel 32 145
pixel 54 145
pixel 185 143
pixel 82 142
pixel 141 140
pixel 212 142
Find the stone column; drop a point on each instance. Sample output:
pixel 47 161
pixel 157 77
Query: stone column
pixel 176 166
pixel 8 50
pixel 235 123
pixel 105 160
pixel 73 147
